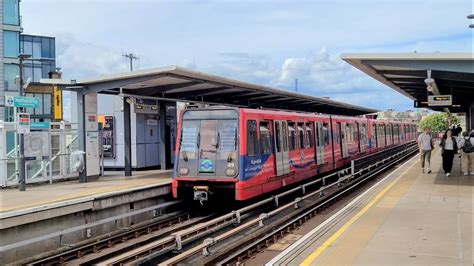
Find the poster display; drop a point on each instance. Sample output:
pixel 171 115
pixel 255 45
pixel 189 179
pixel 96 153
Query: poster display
pixel 37 145
pixel 108 143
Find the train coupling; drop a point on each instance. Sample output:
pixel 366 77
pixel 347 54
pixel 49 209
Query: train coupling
pixel 201 193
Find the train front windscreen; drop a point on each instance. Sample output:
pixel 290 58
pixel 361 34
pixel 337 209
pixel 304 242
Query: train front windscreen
pixel 208 144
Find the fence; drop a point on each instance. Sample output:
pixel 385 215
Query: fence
pixel 47 153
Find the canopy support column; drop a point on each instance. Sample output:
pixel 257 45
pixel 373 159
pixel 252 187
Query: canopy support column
pixel 127 137
pixel 163 139
pixel 81 131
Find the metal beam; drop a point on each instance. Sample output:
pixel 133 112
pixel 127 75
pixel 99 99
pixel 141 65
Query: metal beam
pixel 121 83
pixel 409 73
pixel 159 90
pixel 194 93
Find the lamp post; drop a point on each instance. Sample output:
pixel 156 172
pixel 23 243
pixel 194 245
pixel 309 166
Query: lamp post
pixel 21 139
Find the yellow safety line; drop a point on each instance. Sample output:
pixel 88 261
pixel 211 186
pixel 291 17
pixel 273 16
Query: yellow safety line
pixel 80 195
pixel 346 226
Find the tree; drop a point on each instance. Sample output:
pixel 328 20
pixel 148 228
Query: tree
pixel 437 122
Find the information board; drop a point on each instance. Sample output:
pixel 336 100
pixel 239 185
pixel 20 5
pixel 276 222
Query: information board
pixel 440 100
pixel 23 120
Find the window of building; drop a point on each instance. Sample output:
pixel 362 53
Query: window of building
pixel 309 135
pixel 252 139
pixel 265 138
pixel 11 12
pixel 301 135
pixel 11 72
pixel 11 44
pixel 292 135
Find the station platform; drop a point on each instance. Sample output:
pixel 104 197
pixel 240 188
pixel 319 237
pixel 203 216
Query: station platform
pixel 408 218
pixel 43 197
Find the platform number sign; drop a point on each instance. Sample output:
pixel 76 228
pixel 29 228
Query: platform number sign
pixel 23 125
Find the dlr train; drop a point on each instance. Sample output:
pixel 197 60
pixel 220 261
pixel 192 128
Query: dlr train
pixel 241 153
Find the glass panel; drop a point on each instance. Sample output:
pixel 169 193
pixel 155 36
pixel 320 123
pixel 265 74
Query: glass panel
pixel 47 104
pixel 11 44
pixel 252 140
pixel 11 72
pixel 189 139
pixel 39 110
pixel 208 140
pixel 45 48
pixel 37 74
pixel 36 50
pixel 227 139
pixel 52 47
pixel 292 135
pixel 27 47
pixel 326 133
pixel 265 138
pixel 301 135
pixel 309 135
pixel 278 136
pixel 11 14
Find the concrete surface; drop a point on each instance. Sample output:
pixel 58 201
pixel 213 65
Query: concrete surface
pixel 424 219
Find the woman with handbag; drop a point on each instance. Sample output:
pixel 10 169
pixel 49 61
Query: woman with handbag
pixel 449 147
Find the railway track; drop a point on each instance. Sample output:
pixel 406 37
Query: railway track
pixel 238 244
pixel 235 236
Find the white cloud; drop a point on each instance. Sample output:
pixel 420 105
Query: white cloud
pixel 79 59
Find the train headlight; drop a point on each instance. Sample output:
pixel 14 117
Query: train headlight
pixel 230 172
pixel 183 171
pixel 231 165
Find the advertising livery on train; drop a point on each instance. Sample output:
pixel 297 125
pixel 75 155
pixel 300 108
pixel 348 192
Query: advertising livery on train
pixel 242 153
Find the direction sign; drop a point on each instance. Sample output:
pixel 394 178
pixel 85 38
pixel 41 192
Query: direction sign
pixel 26 102
pixel 39 125
pixel 440 100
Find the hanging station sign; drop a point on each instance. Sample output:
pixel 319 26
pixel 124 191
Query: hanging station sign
pixel 440 100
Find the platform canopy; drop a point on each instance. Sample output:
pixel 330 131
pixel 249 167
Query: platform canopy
pixel 179 84
pixel 417 75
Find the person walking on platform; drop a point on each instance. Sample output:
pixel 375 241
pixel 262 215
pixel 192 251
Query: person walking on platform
pixel 425 144
pixel 466 147
pixel 449 147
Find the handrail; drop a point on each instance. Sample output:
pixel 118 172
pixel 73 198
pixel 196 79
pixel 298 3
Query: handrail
pixel 48 162
pixel 53 158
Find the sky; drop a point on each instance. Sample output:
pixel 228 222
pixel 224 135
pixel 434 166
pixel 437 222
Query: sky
pixel 265 42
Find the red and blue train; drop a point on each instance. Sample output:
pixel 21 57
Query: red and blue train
pixel 243 153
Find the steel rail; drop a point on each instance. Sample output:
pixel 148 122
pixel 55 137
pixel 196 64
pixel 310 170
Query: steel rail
pixel 260 220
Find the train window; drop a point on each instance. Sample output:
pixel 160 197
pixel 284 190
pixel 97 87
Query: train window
pixel 301 135
pixel 326 132
pixel 292 135
pixel 309 135
pixel 265 138
pixel 252 140
pixel 189 136
pixel 375 133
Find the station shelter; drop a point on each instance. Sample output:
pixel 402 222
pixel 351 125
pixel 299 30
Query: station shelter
pixel 148 96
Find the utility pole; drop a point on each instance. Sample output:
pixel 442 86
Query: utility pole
pixel 131 57
pixel 296 85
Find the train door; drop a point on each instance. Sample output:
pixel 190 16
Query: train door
pixel 281 148
pixel 341 130
pixel 319 144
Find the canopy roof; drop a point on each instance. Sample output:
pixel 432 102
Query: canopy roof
pixel 180 84
pixel 453 74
